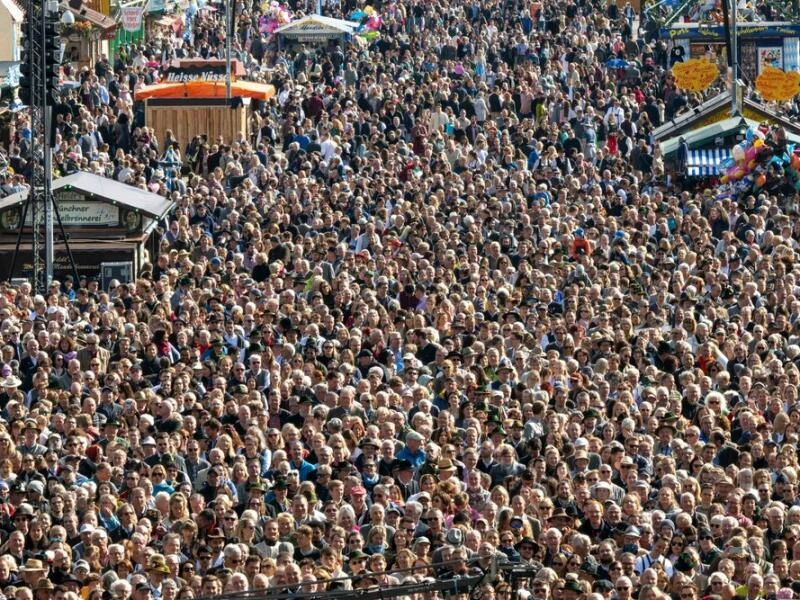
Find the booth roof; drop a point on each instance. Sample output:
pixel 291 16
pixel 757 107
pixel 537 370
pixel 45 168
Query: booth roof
pixel 321 26
pixel 107 190
pixel 683 123
pixel 206 89
pixel 96 18
pixel 705 136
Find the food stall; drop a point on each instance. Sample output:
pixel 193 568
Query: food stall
pixel 88 39
pixel 107 222
pixel 190 108
pixel 709 131
pixel 315 29
pixel 696 29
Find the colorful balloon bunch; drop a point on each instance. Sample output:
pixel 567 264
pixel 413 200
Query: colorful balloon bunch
pixel 274 15
pixel 758 161
pixel 369 18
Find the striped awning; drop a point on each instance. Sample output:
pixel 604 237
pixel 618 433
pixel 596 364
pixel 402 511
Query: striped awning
pixel 703 163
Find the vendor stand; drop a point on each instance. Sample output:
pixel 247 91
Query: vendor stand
pixel 88 39
pixel 315 29
pixel 200 107
pixel 107 222
pixel 709 132
pixel 696 29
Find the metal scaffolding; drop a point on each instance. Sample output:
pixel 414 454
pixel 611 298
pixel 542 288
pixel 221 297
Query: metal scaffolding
pixel 40 208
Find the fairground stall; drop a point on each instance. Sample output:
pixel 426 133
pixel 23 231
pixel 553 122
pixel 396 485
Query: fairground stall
pixel 197 107
pixel 106 221
pixel 767 35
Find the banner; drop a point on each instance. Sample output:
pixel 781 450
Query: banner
pixel 695 74
pixel 84 214
pixel 770 57
pixel 775 85
pixel 180 71
pixel 132 18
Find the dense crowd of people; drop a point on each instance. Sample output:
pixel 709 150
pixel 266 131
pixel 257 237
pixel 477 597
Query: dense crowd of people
pixel 442 314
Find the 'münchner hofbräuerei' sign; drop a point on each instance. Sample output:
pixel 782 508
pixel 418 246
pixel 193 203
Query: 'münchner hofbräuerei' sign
pixel 182 71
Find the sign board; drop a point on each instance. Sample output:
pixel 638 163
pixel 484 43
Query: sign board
pixel 132 18
pixel 79 213
pixel 88 262
pixel 181 71
pixel 717 33
pixel 776 85
pixel 121 271
pixel 770 57
pixel 312 31
pixel 695 75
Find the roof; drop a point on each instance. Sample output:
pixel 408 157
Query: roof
pixel 706 136
pixel 688 119
pixel 317 26
pixel 206 89
pixel 97 19
pixel 14 9
pixel 107 190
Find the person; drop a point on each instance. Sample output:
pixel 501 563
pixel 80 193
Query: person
pixel 442 308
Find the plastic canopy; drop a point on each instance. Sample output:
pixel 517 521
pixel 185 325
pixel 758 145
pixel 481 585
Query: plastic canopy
pixel 206 89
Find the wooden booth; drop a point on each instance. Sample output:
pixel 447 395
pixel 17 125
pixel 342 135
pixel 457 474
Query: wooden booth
pixel 192 108
pixel 88 39
pixel 710 131
pixel 109 224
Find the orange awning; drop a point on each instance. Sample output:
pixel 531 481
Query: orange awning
pixel 207 89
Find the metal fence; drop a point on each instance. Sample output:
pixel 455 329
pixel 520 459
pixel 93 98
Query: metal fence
pixel 446 586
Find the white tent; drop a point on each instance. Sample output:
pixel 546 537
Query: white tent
pixel 316 28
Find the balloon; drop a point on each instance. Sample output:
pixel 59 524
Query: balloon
pixel 726 164
pixel 758 143
pixel 368 10
pixel 750 153
pixel 761 180
pixel 738 153
pixel 723 179
pixel 749 135
pixel 752 164
pixel 795 162
pixel 738 173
